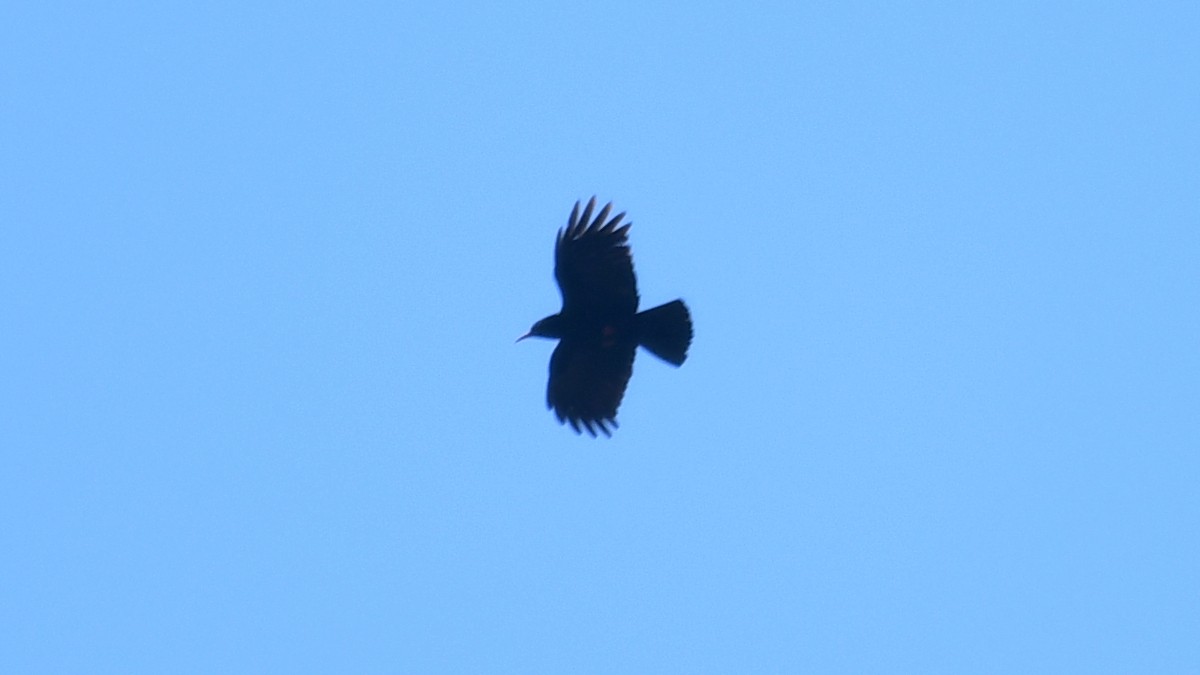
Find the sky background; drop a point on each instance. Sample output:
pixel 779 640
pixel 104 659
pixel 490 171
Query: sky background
pixel 262 266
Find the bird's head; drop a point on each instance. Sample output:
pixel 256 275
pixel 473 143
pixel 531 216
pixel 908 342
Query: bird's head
pixel 549 327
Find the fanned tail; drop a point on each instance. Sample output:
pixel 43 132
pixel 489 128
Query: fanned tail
pixel 666 331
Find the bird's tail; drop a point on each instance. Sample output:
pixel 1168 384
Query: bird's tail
pixel 666 331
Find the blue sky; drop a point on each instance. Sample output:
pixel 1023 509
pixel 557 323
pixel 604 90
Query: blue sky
pixel 262 266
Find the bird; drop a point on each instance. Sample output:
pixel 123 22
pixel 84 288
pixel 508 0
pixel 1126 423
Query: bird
pixel 599 327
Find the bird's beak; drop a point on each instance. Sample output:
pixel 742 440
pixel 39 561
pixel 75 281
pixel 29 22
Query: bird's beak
pixel 523 337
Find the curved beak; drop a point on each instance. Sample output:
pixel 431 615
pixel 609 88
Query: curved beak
pixel 523 337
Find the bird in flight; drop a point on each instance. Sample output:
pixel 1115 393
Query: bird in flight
pixel 599 328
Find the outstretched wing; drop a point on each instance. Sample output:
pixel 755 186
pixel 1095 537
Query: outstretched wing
pixel 587 382
pixel 592 264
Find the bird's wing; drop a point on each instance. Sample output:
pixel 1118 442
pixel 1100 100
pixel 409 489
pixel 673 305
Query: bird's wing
pixel 592 264
pixel 587 382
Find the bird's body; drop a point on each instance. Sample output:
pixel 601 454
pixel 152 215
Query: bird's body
pixel 599 327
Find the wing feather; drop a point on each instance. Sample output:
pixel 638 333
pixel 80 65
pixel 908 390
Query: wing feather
pixel 587 383
pixel 593 266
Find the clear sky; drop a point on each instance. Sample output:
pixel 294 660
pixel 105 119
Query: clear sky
pixel 262 266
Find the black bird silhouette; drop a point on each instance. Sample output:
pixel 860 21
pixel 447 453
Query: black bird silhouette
pixel 599 327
